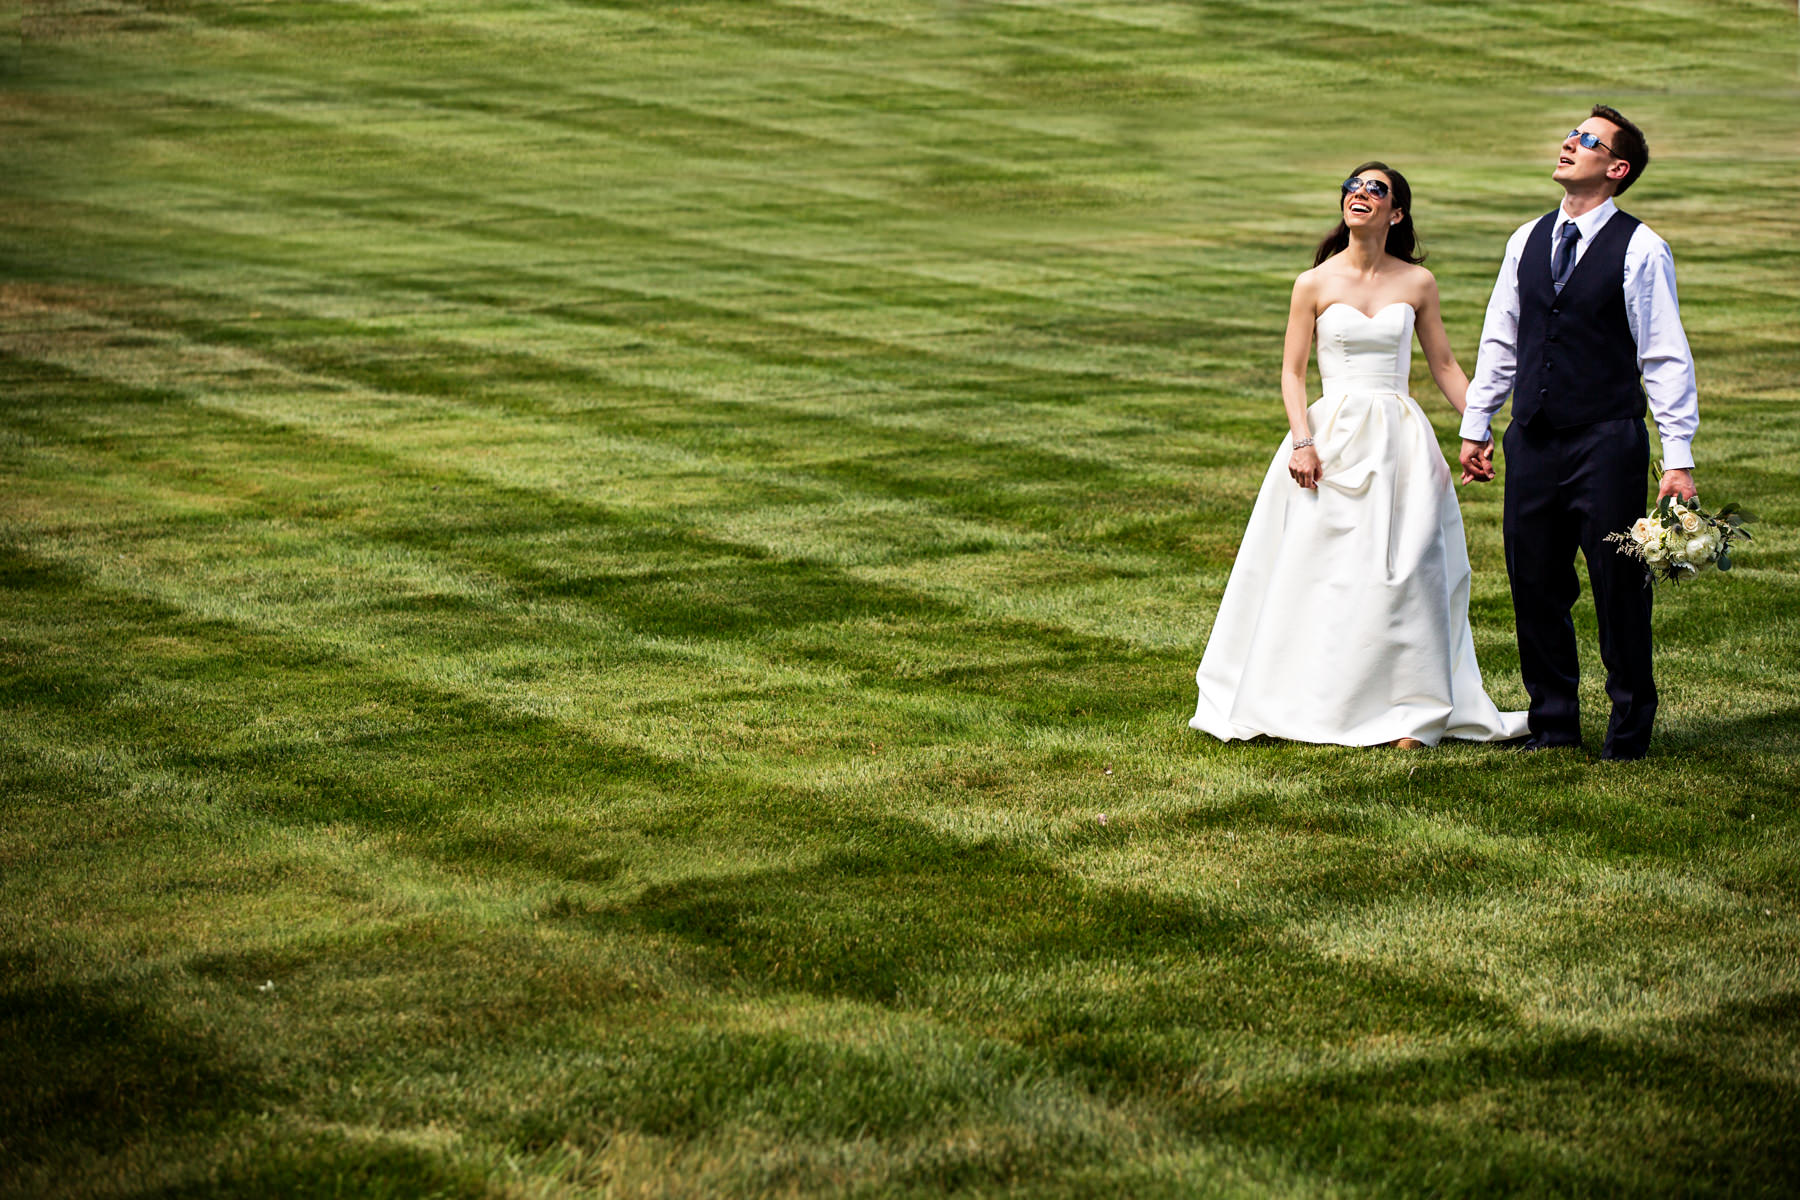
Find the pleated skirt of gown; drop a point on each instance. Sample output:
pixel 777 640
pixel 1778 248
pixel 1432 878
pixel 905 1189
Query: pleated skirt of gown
pixel 1346 617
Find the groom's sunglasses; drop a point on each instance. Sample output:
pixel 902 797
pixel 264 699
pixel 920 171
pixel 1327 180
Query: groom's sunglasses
pixel 1376 189
pixel 1589 141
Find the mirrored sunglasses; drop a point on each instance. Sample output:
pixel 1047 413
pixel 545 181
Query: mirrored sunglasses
pixel 1374 187
pixel 1589 141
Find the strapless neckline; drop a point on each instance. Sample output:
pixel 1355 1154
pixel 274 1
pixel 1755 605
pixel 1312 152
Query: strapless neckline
pixel 1364 352
pixel 1366 316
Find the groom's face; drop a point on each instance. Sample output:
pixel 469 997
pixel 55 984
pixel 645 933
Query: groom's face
pixel 1582 168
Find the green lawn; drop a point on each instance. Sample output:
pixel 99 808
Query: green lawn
pixel 575 578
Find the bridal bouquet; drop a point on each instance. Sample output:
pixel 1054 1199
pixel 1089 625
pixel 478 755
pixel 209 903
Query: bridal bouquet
pixel 1678 539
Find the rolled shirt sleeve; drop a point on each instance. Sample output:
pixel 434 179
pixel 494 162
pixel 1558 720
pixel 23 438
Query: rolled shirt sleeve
pixel 1664 357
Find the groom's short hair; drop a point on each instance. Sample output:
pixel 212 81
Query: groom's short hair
pixel 1628 144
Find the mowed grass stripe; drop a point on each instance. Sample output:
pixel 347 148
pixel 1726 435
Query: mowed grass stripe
pixel 961 494
pixel 794 591
pixel 459 528
pixel 612 557
pixel 958 303
pixel 937 380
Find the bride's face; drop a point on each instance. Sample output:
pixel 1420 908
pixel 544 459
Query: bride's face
pixel 1361 207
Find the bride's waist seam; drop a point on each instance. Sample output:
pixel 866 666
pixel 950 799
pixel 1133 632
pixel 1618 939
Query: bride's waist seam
pixel 1387 385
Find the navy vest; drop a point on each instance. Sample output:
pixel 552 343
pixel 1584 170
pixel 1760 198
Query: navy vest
pixel 1577 363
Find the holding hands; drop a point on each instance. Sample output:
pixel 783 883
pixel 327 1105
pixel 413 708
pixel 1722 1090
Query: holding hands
pixel 1477 461
pixel 1478 467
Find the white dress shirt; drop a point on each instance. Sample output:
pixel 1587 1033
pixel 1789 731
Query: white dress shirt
pixel 1650 309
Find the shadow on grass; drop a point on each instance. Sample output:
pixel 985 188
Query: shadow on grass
pixel 1145 1000
pixel 1771 733
pixel 1577 1115
pixel 331 1165
pixel 892 916
pixel 38 386
pixel 88 1068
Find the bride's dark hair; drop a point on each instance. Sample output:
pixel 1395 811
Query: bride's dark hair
pixel 1402 242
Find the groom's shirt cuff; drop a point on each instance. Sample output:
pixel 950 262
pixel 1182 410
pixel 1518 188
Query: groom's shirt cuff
pixel 1677 454
pixel 1476 426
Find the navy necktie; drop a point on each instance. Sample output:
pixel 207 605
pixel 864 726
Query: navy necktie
pixel 1565 254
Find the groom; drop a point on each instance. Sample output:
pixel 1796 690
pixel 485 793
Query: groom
pixel 1584 307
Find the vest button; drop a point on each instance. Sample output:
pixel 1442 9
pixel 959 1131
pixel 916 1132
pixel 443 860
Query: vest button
pixel 1543 391
pixel 1550 337
pixel 1556 312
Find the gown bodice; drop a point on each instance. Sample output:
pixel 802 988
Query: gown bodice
pixel 1359 353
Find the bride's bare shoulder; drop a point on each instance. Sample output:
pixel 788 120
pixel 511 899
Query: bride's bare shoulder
pixel 1416 285
pixel 1423 284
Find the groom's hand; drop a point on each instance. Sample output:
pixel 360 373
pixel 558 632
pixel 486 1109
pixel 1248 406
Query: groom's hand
pixel 1678 483
pixel 1478 461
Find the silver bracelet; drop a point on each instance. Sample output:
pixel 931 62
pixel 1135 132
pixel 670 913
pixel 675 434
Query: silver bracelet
pixel 1303 443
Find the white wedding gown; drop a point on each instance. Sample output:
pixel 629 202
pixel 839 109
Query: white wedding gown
pixel 1346 619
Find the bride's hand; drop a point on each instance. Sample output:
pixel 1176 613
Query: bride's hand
pixel 1304 466
pixel 1477 460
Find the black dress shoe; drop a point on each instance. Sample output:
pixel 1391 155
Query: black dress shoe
pixel 1616 755
pixel 1547 741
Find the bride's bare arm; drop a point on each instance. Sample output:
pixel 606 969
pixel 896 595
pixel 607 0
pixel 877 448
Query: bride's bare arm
pixel 1438 355
pixel 1302 312
pixel 1477 461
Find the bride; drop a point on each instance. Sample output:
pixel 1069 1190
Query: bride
pixel 1346 619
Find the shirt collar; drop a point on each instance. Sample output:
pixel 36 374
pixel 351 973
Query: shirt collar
pixel 1588 222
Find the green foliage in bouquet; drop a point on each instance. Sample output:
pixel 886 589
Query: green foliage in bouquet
pixel 1677 539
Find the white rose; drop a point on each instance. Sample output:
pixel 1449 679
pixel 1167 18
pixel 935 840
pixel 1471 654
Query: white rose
pixel 1691 522
pixel 1644 531
pixel 1698 551
pixel 1656 554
